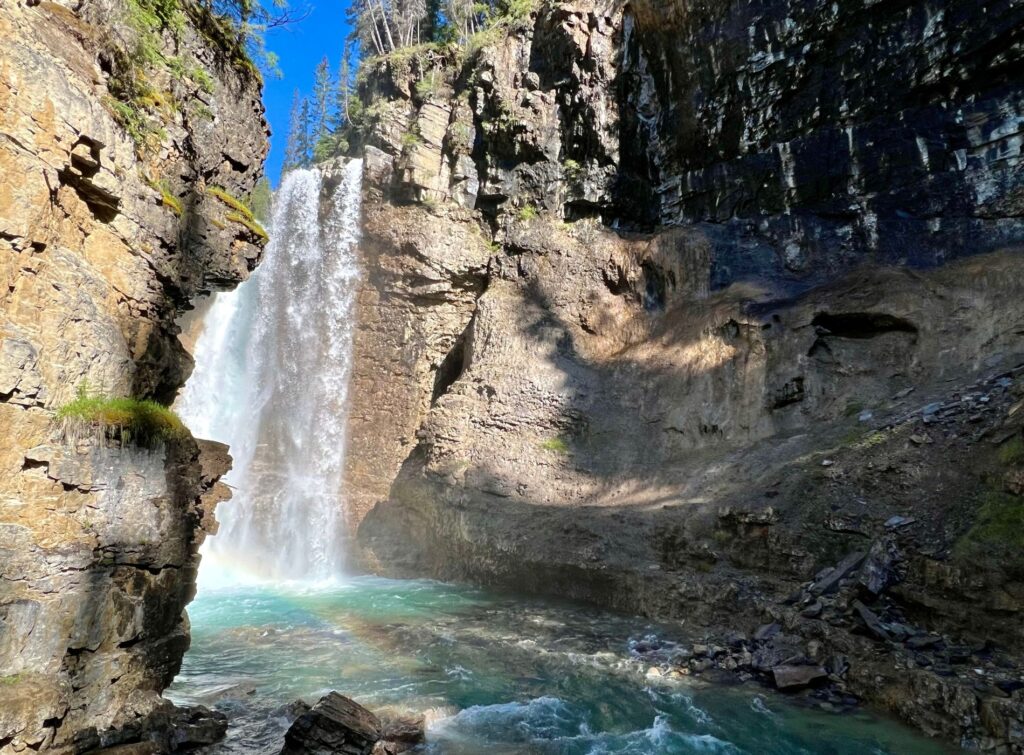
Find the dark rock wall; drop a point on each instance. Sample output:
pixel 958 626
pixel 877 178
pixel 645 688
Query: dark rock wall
pixel 810 137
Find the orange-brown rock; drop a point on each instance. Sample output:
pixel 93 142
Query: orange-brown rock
pixel 104 238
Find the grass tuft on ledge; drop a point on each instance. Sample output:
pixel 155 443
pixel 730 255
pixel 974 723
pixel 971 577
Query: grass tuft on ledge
pixel 129 421
pixel 231 201
pixel 528 213
pixel 557 445
pixel 242 214
pixel 170 201
pixel 250 223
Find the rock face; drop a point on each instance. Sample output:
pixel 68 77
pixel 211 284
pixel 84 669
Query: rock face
pixel 335 725
pixel 788 132
pixel 672 309
pixel 106 232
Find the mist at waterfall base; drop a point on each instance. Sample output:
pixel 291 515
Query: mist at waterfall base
pixel 275 620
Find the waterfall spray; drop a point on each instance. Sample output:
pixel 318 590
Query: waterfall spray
pixel 271 380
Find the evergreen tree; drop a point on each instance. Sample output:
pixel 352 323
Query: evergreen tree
pixel 433 22
pixel 409 17
pixel 332 141
pixel 306 142
pixel 261 200
pixel 320 105
pixel 363 28
pixel 464 16
pixel 343 93
pixel 382 26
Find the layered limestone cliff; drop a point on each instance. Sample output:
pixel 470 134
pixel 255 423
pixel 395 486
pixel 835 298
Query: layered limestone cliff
pixel 684 309
pixel 114 122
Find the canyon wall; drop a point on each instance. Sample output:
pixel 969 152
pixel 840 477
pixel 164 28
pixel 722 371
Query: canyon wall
pixel 114 122
pixel 677 308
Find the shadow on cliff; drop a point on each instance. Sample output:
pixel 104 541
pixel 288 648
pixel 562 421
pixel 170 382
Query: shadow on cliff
pixel 615 496
pixel 165 365
pixel 617 425
pixel 623 558
pixel 646 513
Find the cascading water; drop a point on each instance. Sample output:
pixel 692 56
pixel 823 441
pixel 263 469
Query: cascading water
pixel 272 367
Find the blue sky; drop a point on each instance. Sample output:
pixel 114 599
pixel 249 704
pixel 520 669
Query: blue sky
pixel 300 49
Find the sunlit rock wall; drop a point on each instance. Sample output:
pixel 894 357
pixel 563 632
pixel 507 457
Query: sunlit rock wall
pixel 671 306
pixel 103 240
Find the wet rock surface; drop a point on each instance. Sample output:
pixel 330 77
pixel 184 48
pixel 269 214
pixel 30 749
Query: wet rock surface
pixel 339 725
pixel 335 725
pixel 400 734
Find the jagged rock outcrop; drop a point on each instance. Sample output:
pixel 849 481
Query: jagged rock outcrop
pixel 746 292
pixel 106 233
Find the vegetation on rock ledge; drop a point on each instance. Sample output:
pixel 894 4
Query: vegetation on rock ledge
pixel 128 420
pixel 142 91
pixel 402 37
pixel 997 535
pixel 242 214
pixel 557 445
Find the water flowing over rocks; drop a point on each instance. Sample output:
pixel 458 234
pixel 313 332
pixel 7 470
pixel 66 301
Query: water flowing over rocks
pixel 687 311
pixel 103 241
pixel 706 312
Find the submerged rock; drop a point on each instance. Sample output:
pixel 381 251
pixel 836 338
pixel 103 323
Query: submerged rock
pixel 336 724
pixel 292 711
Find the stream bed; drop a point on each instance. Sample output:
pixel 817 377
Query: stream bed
pixel 495 674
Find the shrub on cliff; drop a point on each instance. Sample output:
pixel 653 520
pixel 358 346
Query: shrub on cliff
pixel 146 54
pixel 129 421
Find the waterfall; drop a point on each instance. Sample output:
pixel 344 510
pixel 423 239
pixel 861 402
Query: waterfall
pixel 271 378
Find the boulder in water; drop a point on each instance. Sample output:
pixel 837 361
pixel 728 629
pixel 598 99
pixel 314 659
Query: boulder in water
pixel 335 725
pixel 400 734
pixel 291 711
pixel 196 725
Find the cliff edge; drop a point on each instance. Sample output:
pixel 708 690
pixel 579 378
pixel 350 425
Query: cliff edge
pixel 117 118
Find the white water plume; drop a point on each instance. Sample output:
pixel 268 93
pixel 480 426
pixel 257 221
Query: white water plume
pixel 271 381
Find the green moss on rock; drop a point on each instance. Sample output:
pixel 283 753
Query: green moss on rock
pixel 1011 452
pixel 996 538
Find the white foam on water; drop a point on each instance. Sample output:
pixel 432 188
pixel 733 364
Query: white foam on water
pixel 552 725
